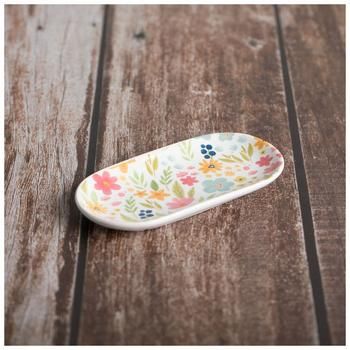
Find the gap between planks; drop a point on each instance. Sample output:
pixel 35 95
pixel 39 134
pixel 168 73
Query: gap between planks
pixel 85 224
pixel 304 197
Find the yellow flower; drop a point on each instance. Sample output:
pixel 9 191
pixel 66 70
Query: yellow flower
pixel 240 179
pixel 96 207
pixel 123 167
pixel 160 195
pixel 229 173
pixel 207 166
pixel 260 143
pixel 140 194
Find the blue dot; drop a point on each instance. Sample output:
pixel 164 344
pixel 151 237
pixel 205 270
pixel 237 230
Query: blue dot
pixel 203 151
pixel 142 211
pixel 203 146
pixel 148 211
pixel 209 147
pixel 207 157
pixel 212 153
pixel 149 215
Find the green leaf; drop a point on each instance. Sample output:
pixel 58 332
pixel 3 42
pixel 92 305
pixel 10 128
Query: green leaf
pixel 127 218
pixel 94 196
pixel 154 185
pixel 155 163
pixel 231 159
pixel 244 156
pixel 146 205
pixel 250 150
pixel 149 169
pixel 157 205
pixel 166 177
pixel 186 150
pixel 191 192
pixel 178 190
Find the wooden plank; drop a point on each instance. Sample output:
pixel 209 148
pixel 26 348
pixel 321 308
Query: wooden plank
pixel 51 62
pixel 314 39
pixel 236 274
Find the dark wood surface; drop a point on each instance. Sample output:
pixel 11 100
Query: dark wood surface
pixel 90 86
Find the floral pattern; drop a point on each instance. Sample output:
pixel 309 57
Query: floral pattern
pixel 180 175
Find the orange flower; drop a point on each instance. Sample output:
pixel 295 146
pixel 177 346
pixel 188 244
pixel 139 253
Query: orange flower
pixel 260 143
pixel 96 207
pixel 207 166
pixel 140 194
pixel 123 167
pixel 160 195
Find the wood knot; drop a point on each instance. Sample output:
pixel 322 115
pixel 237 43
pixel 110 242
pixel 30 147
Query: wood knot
pixel 140 35
pixel 39 27
pixel 253 42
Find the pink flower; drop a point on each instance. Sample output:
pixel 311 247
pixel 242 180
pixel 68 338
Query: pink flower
pixel 115 204
pixel 188 180
pixel 182 173
pixel 252 172
pixel 105 183
pixel 264 161
pixel 273 167
pixel 179 202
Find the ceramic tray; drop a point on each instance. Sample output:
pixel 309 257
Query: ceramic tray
pixel 178 181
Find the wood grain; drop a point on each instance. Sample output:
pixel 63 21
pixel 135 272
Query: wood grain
pixel 315 45
pixel 51 58
pixel 236 274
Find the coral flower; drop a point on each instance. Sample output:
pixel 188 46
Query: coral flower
pixel 264 161
pixel 182 173
pixel 272 167
pixel 207 166
pixel 105 183
pixel 188 180
pixel 179 202
pixel 160 195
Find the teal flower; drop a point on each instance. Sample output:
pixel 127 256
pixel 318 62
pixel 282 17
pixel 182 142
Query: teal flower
pixel 219 185
pixel 226 136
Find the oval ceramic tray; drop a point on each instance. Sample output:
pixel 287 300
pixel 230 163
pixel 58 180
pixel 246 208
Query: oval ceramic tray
pixel 178 181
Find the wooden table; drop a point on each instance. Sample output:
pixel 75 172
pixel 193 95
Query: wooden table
pixel 89 86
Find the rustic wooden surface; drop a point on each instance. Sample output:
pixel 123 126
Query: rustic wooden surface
pixel 314 38
pixel 129 79
pixel 51 62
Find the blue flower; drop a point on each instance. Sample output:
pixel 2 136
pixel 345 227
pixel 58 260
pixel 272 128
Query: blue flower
pixel 207 151
pixel 242 139
pixel 144 214
pixel 219 185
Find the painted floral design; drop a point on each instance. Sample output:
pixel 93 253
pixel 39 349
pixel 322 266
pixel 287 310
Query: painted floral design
pixel 105 182
pixel 177 203
pixel 217 185
pixel 209 166
pixel 159 195
pixel 264 161
pixel 157 184
pixel 189 180
pixel 96 207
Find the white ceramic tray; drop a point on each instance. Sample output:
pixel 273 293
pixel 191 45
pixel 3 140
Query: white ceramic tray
pixel 178 181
